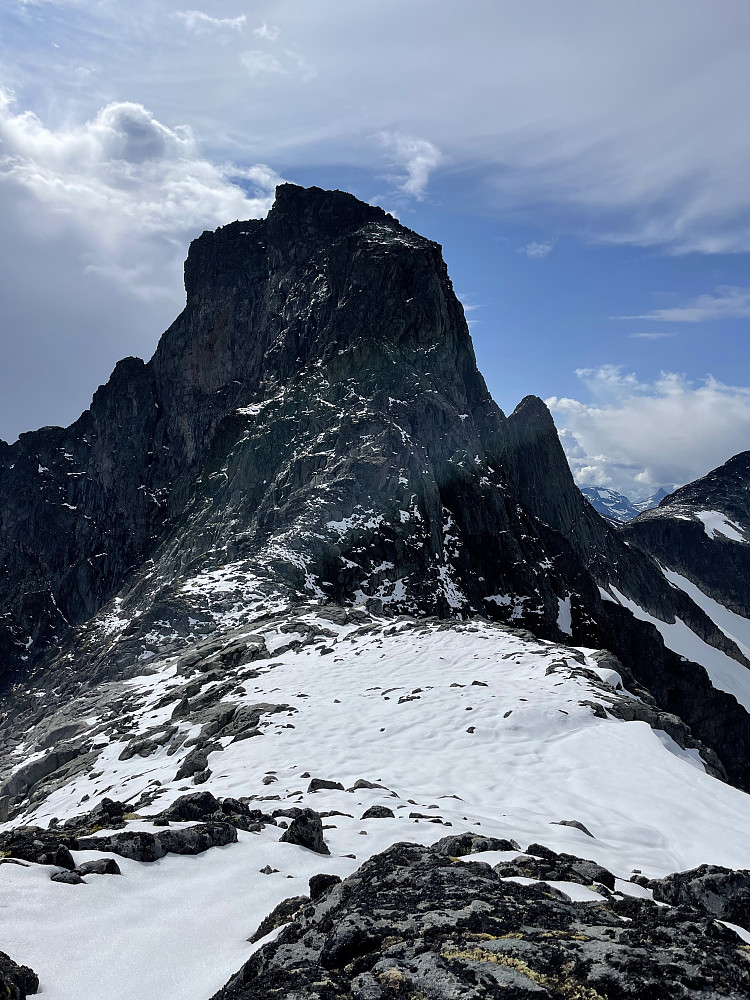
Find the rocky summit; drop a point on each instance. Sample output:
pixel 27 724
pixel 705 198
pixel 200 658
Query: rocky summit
pixel 296 591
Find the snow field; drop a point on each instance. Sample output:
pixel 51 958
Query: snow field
pixel 508 756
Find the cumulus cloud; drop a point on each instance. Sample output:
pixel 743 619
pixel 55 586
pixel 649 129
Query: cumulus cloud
pixel 200 23
pixel 537 250
pixel 730 302
pixel 124 173
pixel 636 436
pixel 417 157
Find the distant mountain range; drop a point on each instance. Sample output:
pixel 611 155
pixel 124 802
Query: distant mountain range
pixel 618 507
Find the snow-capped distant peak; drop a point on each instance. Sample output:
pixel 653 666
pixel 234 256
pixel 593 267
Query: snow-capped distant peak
pixel 618 507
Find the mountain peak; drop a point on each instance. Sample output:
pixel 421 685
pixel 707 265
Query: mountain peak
pixel 313 210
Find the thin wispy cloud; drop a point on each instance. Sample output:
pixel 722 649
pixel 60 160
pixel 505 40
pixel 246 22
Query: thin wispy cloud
pixel 537 250
pixel 469 307
pixel 636 435
pixel 729 302
pixel 651 336
pixel 201 23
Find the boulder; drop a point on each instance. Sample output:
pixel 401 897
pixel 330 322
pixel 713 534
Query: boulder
pixel 99 866
pixel 193 806
pixel 318 784
pixel 306 830
pixel 378 812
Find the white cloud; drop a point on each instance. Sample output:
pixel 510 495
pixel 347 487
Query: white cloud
pixel 197 21
pixel 97 218
pixel 417 157
pixel 124 173
pixel 636 436
pixel 730 302
pixel 539 105
pixel 537 250
pixel 269 32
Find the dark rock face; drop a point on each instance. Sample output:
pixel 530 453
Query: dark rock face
pixel 315 419
pixel 414 923
pixel 16 981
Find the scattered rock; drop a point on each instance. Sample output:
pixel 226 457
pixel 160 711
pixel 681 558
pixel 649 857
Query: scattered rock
pixel 321 783
pixel 99 866
pixel 282 914
pixel 378 812
pixel 69 878
pixel 461 844
pixel 362 783
pixel 193 806
pixel 44 847
pixel 195 762
pixel 554 867
pixel 306 830
pixel 574 823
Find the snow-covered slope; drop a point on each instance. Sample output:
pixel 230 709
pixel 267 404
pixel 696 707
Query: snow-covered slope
pixel 459 727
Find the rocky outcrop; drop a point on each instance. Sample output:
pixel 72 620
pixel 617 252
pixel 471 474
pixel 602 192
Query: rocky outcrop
pixel 416 923
pixel 141 845
pixel 714 891
pixel 16 981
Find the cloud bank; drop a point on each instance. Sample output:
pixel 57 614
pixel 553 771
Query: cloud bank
pixel 636 436
pixel 123 173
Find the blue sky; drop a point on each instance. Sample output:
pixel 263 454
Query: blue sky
pixel 584 166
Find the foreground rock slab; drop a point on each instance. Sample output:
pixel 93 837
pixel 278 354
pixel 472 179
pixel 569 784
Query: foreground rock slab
pixel 413 922
pixel 16 981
